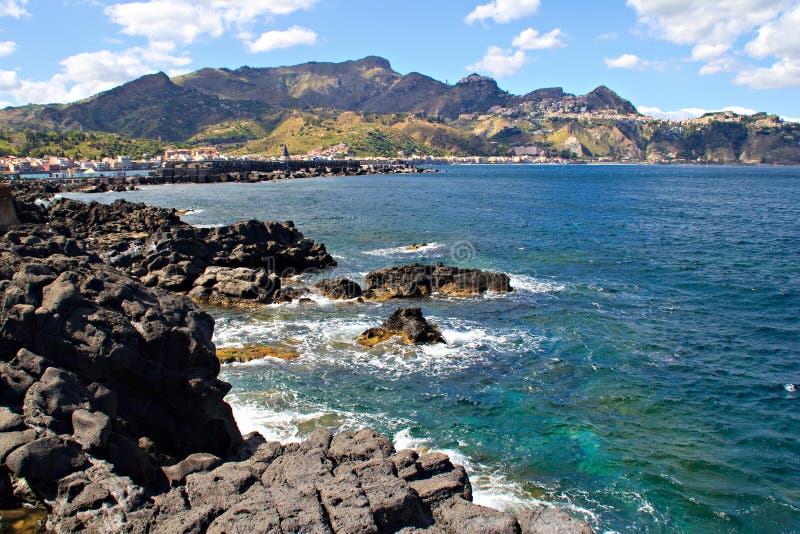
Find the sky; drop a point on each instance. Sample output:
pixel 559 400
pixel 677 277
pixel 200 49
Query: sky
pixel 671 58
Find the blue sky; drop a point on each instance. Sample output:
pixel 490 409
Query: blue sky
pixel 669 57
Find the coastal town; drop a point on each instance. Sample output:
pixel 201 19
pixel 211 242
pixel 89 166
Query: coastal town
pixel 65 168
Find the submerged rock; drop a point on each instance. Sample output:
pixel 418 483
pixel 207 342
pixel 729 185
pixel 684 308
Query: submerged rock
pixel 417 280
pixel 254 352
pixel 409 324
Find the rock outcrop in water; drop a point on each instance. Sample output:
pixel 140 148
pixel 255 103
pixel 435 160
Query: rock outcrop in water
pixel 113 418
pixel 407 323
pixel 417 280
pixel 235 264
pixel 339 289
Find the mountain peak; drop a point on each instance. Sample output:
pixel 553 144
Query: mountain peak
pixel 149 82
pixel 476 78
pixel 375 62
pixel 604 98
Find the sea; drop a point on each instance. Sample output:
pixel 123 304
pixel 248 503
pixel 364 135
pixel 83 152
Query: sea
pixel 644 375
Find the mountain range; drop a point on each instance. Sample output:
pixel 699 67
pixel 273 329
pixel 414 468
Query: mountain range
pixel 375 110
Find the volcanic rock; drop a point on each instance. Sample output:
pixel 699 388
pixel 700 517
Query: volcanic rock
pixel 409 324
pixel 417 280
pixel 339 288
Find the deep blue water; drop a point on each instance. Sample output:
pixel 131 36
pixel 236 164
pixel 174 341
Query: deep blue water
pixel 642 375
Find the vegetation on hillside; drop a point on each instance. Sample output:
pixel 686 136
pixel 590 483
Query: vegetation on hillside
pixel 366 134
pixel 73 144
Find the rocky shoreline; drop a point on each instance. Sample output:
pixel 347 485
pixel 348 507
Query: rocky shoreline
pixel 113 417
pixel 203 173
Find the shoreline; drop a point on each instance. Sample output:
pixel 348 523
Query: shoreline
pixel 217 468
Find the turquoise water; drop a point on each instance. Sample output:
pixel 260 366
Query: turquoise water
pixel 642 376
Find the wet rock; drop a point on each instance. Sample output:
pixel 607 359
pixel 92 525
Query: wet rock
pixel 339 288
pixel 543 520
pixel 457 515
pixel 409 324
pixel 417 280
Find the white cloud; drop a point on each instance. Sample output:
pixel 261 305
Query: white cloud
pixel 7 48
pixel 613 36
pixel 531 39
pixel 711 24
pixel 272 40
pixel 715 31
pixel 739 110
pixel 779 38
pixel 181 20
pixel 689 113
pixel 720 64
pixel 708 51
pixel 8 80
pixel 781 75
pixel 626 61
pixel 88 73
pixel 790 119
pixel 13 8
pixel 503 11
pixel 500 62
pixel 186 21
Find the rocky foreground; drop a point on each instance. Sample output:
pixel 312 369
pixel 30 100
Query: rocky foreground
pixel 113 417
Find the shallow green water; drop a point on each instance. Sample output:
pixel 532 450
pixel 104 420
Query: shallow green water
pixel 643 375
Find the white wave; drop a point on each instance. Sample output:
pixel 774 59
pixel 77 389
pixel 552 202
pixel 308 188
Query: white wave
pixel 791 388
pixel 273 425
pixel 428 249
pixel 489 488
pixel 191 211
pixel 530 284
pixel 324 336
